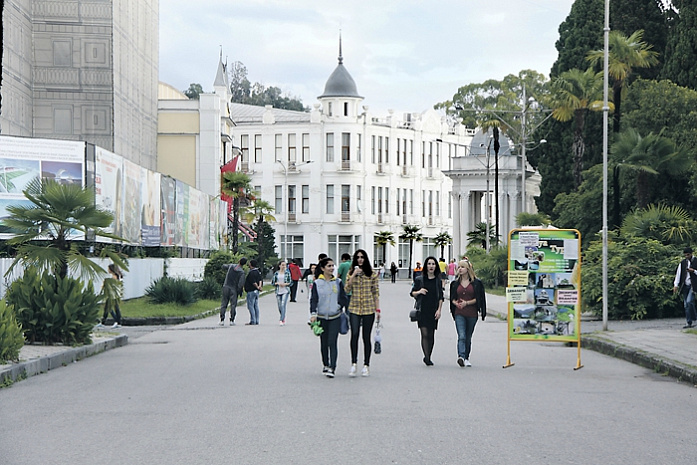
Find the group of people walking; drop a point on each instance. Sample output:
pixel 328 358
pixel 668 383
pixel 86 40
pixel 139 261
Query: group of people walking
pixel 351 291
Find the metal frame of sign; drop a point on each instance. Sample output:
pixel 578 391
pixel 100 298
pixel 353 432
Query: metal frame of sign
pixel 544 287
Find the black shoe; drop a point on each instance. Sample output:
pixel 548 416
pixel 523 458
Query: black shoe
pixel 329 373
pixel 428 362
pixel 687 326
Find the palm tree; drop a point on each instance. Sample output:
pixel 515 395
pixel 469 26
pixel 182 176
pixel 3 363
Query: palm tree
pixel 236 185
pixel 441 240
pixel 576 92
pixel 259 211
pixel 650 155
pixel 382 238
pixel 478 235
pixel 625 54
pixel 57 214
pixel 411 233
pixel 667 224
pixel 532 219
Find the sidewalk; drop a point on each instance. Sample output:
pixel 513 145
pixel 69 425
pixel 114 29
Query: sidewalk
pixel 660 345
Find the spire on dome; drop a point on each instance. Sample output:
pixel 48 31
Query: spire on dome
pixel 341 58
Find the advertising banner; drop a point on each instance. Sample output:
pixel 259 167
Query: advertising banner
pixel 168 209
pixel 544 285
pixel 108 185
pixel 130 217
pixel 150 217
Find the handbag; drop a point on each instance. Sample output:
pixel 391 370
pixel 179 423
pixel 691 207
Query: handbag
pixel 343 323
pixel 378 339
pixel 415 314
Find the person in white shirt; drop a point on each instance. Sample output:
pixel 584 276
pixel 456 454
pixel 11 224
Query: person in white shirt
pixel 685 282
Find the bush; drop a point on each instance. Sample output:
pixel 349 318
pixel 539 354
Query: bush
pixel 214 267
pixel 640 279
pixel 208 289
pixel 176 290
pixel 53 309
pixel 490 267
pixel 11 338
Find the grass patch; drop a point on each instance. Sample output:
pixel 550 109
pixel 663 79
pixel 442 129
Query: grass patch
pixel 500 291
pixel 143 308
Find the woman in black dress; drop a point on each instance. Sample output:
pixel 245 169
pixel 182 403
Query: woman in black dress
pixel 428 291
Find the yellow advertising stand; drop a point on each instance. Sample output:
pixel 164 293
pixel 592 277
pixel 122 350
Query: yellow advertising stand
pixel 544 287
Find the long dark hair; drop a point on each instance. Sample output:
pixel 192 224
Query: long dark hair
pixel 367 268
pixel 436 272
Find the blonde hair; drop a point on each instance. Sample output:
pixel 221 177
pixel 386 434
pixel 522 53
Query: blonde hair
pixel 468 266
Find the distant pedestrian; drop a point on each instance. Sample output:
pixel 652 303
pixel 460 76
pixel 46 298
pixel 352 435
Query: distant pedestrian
pixel 363 308
pixel 326 303
pixel 467 302
pixel 428 291
pixel 309 278
pixel 113 297
pixel 417 271
pixel 452 268
pixel 252 286
pixel 685 283
pixel 342 272
pixel 233 287
pixel 393 272
pixel 282 281
pixel 295 276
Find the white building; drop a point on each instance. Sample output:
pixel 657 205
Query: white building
pixel 337 175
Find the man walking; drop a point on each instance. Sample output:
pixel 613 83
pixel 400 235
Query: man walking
pixel 233 287
pixel 295 275
pixel 252 286
pixel 685 282
pixel 342 273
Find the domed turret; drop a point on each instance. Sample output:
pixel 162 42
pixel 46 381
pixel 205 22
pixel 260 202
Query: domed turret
pixel 340 97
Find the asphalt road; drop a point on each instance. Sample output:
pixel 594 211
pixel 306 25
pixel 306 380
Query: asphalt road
pixel 201 394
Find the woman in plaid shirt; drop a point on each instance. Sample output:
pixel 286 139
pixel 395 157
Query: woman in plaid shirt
pixel 364 305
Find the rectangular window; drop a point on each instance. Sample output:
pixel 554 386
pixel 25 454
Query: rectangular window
pixel 411 201
pixel 291 199
pixel 278 204
pixel 372 150
pixel 423 203
pixel 346 109
pixel 340 244
pixel 379 200
pixel 372 200
pixel 345 146
pixel 244 147
pixel 387 200
pixel 279 147
pixel 437 203
pixel 345 198
pixel 430 203
pixel 423 154
pixel 437 155
pixel 306 198
pixel 330 147
pixel 379 149
pixel 257 148
pixel 404 202
pixel 387 149
pixel 403 254
pixel 411 152
pixel 292 149
pixel 293 247
pixel 359 198
pixel 429 247
pixel 404 152
pixel 306 147
pixel 330 199
pixel 360 147
pixel 398 189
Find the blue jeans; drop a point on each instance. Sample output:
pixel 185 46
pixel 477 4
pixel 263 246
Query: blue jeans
pixel 253 307
pixel 282 300
pixel 465 328
pixel 689 301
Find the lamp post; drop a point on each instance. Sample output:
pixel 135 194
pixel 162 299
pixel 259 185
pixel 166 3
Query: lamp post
pixel 285 189
pixel 487 203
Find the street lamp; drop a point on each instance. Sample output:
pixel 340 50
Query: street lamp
pixel 292 166
pixel 488 207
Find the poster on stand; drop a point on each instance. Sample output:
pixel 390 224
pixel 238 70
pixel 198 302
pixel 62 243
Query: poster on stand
pixel 544 285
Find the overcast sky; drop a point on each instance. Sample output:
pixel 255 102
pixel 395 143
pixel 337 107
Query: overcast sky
pixel 404 55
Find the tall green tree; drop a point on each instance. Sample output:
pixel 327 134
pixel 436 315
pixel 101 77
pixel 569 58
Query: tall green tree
pixel 382 239
pixel 442 240
pixel 625 54
pixel 194 91
pixel 258 213
pixel 581 32
pixel 243 91
pixel 478 235
pixel 681 50
pixel 236 185
pixel 576 93
pixel 411 233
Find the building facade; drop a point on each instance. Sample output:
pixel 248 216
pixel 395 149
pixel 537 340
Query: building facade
pixel 194 136
pixel 82 70
pixel 338 175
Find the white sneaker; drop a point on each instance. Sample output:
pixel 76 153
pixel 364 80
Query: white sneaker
pixel 467 363
pixel 116 325
pixel 222 323
pixel 352 371
pixel 281 323
pixel 365 371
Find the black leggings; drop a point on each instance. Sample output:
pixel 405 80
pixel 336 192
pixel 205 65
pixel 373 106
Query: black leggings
pixel 356 322
pixel 428 339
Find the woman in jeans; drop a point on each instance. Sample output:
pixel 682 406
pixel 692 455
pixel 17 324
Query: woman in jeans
pixel 467 301
pixel 282 281
pixel 362 283
pixel 327 299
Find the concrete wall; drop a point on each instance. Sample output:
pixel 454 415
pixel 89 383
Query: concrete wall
pixel 141 273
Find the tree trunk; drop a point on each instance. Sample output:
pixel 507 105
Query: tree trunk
pixel 235 223
pixel 411 248
pixel 578 148
pixel 617 100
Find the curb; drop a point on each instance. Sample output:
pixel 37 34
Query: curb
pixel 23 370
pixel 660 365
